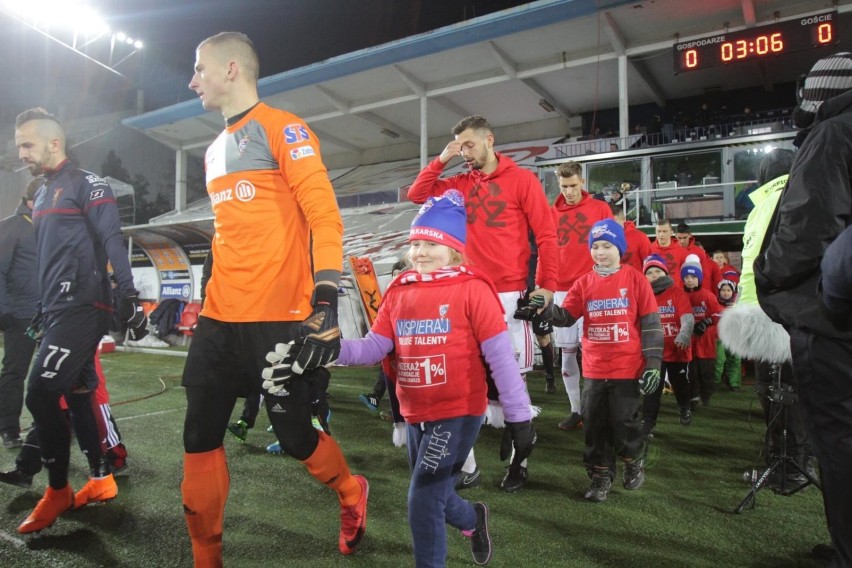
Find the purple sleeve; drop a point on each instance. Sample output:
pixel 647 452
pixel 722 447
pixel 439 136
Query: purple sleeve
pixel 367 351
pixel 499 354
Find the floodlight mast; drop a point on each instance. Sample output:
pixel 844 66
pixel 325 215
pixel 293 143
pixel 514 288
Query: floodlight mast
pixel 87 27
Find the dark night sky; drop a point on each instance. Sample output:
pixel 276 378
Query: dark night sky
pixel 287 34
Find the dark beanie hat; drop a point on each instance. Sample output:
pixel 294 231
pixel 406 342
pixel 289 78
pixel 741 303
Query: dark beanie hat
pixel 442 220
pixel 829 77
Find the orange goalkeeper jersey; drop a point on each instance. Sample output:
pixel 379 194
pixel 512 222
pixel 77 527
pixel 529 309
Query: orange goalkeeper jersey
pixel 275 214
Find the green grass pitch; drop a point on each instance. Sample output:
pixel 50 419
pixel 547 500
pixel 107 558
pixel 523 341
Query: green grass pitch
pixel 278 516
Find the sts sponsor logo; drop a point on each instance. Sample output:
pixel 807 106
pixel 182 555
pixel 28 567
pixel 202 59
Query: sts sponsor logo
pixel 301 152
pixel 295 133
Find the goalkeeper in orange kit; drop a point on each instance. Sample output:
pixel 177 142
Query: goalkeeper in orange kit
pixel 278 257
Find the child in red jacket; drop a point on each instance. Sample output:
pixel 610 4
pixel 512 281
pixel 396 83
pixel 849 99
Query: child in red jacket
pixel 677 322
pixel 706 309
pixel 445 323
pixel 622 349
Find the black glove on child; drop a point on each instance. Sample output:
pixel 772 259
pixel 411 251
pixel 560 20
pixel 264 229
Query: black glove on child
pixel 320 334
pixel 521 436
pixel 702 326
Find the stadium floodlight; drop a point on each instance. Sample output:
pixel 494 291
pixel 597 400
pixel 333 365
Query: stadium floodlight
pixel 75 25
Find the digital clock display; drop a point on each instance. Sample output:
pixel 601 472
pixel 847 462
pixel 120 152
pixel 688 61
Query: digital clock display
pixel 757 43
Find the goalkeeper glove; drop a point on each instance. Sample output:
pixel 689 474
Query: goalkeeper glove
pixel 528 307
pixel 132 312
pixel 400 434
pixel 320 333
pixel 649 381
pixel 277 376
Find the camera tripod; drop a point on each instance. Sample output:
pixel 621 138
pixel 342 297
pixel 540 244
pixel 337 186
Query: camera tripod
pixel 781 398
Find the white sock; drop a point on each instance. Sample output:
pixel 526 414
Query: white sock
pixel 571 377
pixel 470 463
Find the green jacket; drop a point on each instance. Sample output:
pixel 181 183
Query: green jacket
pixel 765 199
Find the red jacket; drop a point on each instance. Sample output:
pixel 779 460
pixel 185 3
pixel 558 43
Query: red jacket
pixel 730 273
pixel 638 246
pixel 674 255
pixel 502 208
pixel 672 303
pixel 573 223
pixel 712 273
pixel 704 305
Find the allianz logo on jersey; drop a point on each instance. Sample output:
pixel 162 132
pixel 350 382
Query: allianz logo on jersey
pixel 243 191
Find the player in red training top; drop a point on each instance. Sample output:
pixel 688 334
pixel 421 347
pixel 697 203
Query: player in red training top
pixel 638 243
pixel 441 319
pixel 574 213
pixel 622 350
pixel 504 202
pixel 667 247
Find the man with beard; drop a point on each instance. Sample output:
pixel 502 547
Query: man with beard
pixel 504 202
pixel 77 227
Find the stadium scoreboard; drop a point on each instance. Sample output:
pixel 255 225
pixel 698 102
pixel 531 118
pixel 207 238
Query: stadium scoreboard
pixel 757 43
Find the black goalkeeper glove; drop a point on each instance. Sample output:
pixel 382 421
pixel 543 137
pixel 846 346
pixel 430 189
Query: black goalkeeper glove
pixel 528 307
pixel 521 436
pixel 134 314
pixel 702 326
pixel 320 333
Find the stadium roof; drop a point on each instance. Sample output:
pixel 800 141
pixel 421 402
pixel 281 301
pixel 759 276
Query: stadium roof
pixel 513 67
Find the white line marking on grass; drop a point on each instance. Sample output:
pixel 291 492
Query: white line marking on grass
pixel 9 538
pixel 40 554
pixel 122 419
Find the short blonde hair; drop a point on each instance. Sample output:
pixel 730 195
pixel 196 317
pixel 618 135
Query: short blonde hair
pixel 236 45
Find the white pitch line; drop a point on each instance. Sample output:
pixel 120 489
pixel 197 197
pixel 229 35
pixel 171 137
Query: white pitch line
pixel 40 554
pixel 122 419
pixel 9 538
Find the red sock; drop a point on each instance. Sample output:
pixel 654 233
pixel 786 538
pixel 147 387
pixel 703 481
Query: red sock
pixel 329 467
pixel 205 490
